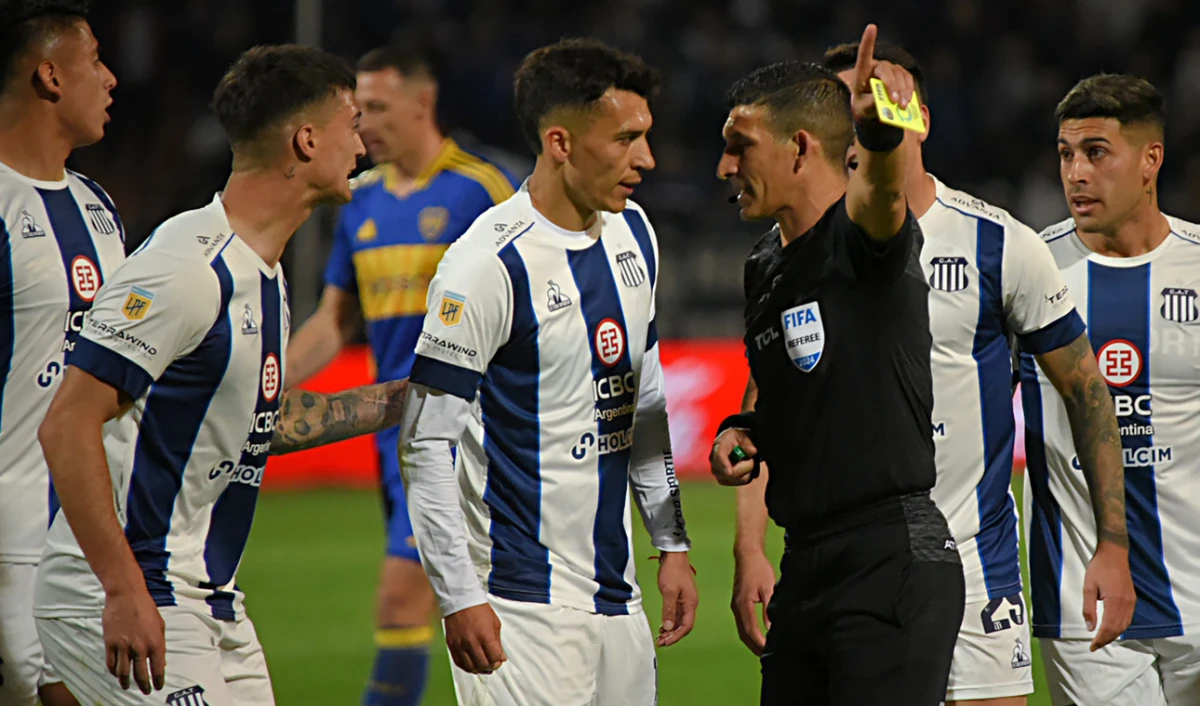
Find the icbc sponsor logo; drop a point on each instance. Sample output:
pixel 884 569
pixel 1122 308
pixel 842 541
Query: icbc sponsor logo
pixel 85 277
pixel 1120 362
pixel 270 378
pixel 610 342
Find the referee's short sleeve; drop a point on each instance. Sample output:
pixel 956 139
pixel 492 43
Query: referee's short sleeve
pixel 868 259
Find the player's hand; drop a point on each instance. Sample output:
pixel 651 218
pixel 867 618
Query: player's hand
pixel 677 583
pixel 898 81
pixel 753 583
pixel 473 636
pixel 1108 579
pixel 134 638
pixel 726 472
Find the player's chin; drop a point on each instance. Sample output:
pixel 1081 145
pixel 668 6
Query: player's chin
pixel 616 203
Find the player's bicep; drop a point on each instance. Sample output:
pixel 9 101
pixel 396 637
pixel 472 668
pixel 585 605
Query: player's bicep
pixel 83 399
pixel 468 319
pixel 339 268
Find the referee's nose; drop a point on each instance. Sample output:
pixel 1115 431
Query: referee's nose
pixel 727 167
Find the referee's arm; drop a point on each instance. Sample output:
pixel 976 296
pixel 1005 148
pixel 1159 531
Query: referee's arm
pixel 875 197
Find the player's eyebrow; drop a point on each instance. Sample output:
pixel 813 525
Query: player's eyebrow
pixel 1086 141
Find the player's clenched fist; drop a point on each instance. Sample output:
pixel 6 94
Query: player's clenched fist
pixel 473 636
pixel 898 81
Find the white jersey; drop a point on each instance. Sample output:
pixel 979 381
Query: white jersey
pixel 1144 324
pixel 193 327
pixel 989 276
pixel 60 239
pixel 556 331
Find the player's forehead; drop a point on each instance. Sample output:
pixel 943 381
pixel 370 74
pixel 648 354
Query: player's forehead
pixel 622 111
pixel 77 37
pixel 1075 132
pixel 384 80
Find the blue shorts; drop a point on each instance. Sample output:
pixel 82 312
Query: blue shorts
pixel 400 540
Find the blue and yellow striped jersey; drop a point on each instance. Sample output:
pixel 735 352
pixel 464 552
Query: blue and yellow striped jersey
pixel 386 247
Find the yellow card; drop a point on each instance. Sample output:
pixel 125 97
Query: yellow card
pixel 891 114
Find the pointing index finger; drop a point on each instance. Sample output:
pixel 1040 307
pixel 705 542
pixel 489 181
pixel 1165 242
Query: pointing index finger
pixel 866 59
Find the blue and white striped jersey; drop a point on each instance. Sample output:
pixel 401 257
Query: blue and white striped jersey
pixel 193 328
pixel 59 240
pixel 1144 323
pixel 989 276
pixel 555 330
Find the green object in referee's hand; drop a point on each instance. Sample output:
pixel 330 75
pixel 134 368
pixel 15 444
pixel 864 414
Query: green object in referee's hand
pixel 737 455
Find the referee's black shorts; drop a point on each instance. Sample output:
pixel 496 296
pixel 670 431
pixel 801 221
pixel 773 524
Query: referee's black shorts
pixel 866 615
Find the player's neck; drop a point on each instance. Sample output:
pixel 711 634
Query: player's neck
pixel 413 163
pixel 32 144
pixel 548 192
pixel 1143 231
pixel 265 208
pixel 808 206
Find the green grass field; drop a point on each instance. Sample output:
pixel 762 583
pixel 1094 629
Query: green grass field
pixel 310 574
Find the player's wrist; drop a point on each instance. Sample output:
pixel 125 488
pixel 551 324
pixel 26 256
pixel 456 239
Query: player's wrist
pixel 875 136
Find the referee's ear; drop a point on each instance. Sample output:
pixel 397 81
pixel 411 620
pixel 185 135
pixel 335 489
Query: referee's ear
pixel 802 140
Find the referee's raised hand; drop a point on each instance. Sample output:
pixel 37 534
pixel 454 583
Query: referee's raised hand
pixel 727 471
pixel 898 81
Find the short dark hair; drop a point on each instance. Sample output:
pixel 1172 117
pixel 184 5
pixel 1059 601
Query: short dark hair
pixel 1128 99
pixel 798 96
pixel 268 84
pixel 574 73
pixel 844 57
pixel 24 22
pixel 407 60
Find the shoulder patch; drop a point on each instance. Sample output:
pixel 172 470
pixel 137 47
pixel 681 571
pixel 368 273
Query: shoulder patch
pixel 1058 230
pixel 371 176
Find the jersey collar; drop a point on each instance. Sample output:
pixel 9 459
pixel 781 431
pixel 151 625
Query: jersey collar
pixel 449 155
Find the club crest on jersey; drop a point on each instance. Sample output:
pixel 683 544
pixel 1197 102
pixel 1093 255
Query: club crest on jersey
pixel 249 327
pixel 1179 305
pixel 29 227
pixel 137 304
pixel 609 342
pixel 804 334
pixel 270 377
pixel 431 221
pixel 632 273
pixel 451 309
pixel 555 299
pixel 100 219
pixel 949 274
pixel 86 277
pixel 1120 362
pixel 191 696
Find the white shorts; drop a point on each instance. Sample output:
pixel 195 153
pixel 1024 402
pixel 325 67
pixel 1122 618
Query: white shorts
pixel 209 662
pixel 560 656
pixel 992 656
pixel 23 666
pixel 1157 672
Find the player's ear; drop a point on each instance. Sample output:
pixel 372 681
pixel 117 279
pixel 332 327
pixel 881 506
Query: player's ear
pixel 922 136
pixel 45 81
pixel 427 99
pixel 556 143
pixel 1152 160
pixel 304 143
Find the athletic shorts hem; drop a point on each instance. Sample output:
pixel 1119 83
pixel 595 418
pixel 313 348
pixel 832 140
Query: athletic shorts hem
pixel 992 691
pixel 21 558
pixel 633 607
pixel 1152 632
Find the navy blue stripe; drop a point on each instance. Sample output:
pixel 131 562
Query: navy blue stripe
pixel 1045 522
pixel 74 241
pixel 652 334
pixel 233 514
pixel 600 304
pixel 8 331
pixel 175 410
pixel 110 367
pixel 1055 335
pixel 1119 301
pixel 512 441
pixel 996 542
pixel 112 209
pixel 641 234
pixel 438 375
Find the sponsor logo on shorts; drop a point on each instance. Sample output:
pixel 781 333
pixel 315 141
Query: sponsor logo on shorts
pixel 191 696
pixel 1020 655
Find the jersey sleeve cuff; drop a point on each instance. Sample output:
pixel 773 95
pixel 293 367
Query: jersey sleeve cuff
pixel 448 378
pixel 110 367
pixel 652 335
pixel 1054 335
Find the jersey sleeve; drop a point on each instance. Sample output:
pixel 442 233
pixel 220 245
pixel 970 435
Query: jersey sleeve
pixel 469 317
pixel 868 259
pixel 339 269
pixel 1038 304
pixel 154 309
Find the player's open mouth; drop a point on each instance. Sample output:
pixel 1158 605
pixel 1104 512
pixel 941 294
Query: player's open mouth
pixel 1083 204
pixel 628 186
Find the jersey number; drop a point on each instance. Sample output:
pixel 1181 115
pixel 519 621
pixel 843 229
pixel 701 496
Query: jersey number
pixel 46 377
pixel 1016 614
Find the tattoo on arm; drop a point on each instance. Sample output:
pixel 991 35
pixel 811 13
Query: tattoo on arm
pixel 310 419
pixel 1074 372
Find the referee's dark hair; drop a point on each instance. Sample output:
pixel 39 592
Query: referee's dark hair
pixel 408 61
pixel 843 57
pixel 573 74
pixel 269 84
pixel 24 22
pixel 800 96
pixel 1129 99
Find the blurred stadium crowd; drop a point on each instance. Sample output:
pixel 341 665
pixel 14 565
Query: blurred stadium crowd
pixel 995 69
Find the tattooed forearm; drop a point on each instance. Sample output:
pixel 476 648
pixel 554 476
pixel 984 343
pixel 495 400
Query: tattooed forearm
pixel 1074 372
pixel 310 419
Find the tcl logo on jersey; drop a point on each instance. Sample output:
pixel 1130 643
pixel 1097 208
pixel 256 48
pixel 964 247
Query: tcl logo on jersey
pixel 270 378
pixel 1120 362
pixel 610 342
pixel 86 277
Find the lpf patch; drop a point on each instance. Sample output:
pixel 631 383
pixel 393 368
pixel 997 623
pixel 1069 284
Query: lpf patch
pixel 137 304
pixel 451 310
pixel 270 377
pixel 86 277
pixel 804 334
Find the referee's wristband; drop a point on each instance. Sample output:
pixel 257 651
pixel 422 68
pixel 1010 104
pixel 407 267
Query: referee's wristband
pixel 875 136
pixel 745 420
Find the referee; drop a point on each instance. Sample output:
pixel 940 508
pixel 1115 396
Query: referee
pixel 870 597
